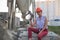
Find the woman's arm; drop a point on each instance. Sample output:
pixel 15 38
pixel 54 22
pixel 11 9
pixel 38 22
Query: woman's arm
pixel 33 24
pixel 45 24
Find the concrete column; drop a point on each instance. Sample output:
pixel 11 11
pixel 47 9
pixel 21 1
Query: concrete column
pixel 9 11
pixel 13 14
pixel 56 7
pixel 33 4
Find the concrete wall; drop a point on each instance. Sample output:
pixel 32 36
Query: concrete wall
pixel 4 15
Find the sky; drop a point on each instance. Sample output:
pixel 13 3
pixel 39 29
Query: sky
pixel 3 6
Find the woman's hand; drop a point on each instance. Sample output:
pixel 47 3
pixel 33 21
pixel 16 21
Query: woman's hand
pixel 39 32
pixel 33 24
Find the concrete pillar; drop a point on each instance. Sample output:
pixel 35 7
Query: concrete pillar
pixel 56 8
pixel 13 14
pixel 33 5
pixel 9 11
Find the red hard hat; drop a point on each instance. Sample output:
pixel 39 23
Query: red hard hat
pixel 38 10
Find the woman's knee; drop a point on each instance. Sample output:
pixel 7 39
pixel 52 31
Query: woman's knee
pixel 29 28
pixel 42 34
pixel 39 36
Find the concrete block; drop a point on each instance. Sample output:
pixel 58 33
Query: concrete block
pixel 49 36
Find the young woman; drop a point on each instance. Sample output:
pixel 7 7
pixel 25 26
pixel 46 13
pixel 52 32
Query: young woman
pixel 41 29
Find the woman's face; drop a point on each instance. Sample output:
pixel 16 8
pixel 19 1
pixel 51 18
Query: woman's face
pixel 39 13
